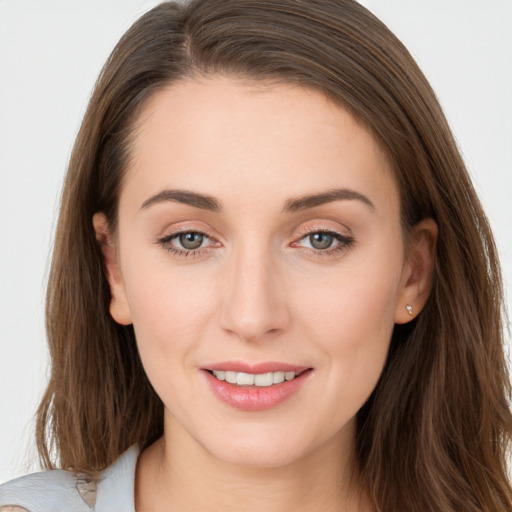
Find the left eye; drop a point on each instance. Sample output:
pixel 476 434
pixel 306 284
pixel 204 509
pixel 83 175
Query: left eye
pixel 320 240
pixel 323 240
pixel 190 240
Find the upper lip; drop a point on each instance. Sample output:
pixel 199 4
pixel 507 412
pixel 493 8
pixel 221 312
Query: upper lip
pixel 256 368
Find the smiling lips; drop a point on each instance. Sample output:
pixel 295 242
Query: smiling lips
pixel 249 379
pixel 255 388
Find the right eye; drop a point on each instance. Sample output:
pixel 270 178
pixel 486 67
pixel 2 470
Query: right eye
pixel 190 240
pixel 321 240
pixel 185 243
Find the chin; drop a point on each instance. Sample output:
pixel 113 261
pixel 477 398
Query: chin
pixel 255 456
pixel 267 447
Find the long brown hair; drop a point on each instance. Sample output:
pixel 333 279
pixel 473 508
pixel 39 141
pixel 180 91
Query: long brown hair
pixel 435 432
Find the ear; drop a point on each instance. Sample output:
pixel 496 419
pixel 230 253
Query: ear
pixel 417 271
pixel 119 308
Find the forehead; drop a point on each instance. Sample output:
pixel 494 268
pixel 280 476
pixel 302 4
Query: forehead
pixel 221 135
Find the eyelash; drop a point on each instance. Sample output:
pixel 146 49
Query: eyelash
pixel 345 242
pixel 165 242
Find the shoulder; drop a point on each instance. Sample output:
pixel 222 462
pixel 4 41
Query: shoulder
pixel 47 490
pixel 65 491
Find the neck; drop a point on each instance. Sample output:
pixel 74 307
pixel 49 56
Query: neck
pixel 177 474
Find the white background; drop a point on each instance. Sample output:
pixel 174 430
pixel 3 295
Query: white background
pixel 50 54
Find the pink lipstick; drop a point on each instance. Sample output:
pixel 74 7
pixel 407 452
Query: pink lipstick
pixel 255 387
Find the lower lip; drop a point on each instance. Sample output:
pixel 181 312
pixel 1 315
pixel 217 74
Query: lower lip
pixel 252 398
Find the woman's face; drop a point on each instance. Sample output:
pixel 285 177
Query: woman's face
pixel 259 234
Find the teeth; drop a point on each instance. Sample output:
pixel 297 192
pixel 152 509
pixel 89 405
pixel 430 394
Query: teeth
pixel 244 379
pixel 231 377
pixel 248 379
pixel 279 377
pixel 264 379
pixel 220 375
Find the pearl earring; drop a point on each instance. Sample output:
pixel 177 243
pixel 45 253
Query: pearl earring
pixel 409 309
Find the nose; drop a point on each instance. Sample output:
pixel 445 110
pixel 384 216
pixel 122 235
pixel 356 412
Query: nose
pixel 254 305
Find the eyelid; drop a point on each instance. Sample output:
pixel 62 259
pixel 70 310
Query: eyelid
pixel 345 240
pixel 164 240
pixel 186 227
pixel 322 228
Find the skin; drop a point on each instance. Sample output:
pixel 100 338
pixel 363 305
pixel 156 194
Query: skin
pixel 258 290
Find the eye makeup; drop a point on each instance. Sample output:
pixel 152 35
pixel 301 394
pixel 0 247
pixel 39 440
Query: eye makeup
pixel 323 242
pixel 187 242
pixel 313 241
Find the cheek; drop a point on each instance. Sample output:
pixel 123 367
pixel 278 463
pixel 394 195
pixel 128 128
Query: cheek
pixel 355 298
pixel 169 310
pixel 351 317
pixel 169 321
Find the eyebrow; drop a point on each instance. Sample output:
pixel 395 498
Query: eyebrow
pixel 310 201
pixel 206 202
pixel 195 199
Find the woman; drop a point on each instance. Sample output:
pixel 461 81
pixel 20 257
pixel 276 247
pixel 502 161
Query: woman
pixel 272 277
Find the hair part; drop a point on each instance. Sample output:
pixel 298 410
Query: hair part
pixel 434 434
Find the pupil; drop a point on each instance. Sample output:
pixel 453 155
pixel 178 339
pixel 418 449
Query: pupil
pixel 191 240
pixel 321 240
